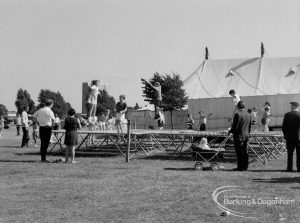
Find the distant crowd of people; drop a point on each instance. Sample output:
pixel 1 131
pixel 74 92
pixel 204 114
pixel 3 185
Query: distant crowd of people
pixel 259 120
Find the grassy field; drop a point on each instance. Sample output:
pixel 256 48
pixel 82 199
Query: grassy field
pixel 107 189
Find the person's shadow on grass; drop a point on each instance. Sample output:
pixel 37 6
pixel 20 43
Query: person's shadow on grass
pixel 19 161
pixel 277 180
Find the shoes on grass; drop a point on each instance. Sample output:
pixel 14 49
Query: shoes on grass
pixel 46 161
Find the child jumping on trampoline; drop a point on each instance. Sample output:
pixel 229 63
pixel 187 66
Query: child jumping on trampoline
pixel 157 87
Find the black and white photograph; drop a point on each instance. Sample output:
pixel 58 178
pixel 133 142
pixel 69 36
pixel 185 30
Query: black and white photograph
pixel 149 111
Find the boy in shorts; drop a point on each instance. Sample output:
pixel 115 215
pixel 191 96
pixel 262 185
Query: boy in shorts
pixel 121 109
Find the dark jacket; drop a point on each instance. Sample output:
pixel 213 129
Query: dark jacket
pixel 241 125
pixel 291 126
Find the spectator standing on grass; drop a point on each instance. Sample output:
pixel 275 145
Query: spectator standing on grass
pixel 18 122
pixel 240 129
pixel 25 127
pixel 1 124
pixel 35 132
pixel 291 132
pixel 71 136
pixel 45 118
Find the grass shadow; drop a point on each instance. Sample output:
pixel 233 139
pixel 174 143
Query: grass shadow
pixel 78 154
pixel 277 180
pixel 265 171
pixel 180 169
pixel 296 188
pixel 190 158
pixel 19 161
pixel 18 146
pixel 167 157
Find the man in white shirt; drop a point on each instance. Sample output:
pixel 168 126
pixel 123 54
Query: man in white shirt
pixel 45 118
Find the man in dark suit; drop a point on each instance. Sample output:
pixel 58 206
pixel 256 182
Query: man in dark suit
pixel 291 132
pixel 240 129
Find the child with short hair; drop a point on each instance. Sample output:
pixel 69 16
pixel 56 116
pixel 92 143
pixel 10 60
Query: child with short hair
pixel 121 109
pixel 91 100
pixel 103 119
pixel 266 119
pixel 203 120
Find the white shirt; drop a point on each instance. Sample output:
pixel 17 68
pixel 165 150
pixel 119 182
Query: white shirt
pixel 57 120
pixel 161 117
pixel 44 116
pixel 236 99
pixel 93 95
pixel 24 119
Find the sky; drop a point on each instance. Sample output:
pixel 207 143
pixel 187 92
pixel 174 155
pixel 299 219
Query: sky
pixel 59 44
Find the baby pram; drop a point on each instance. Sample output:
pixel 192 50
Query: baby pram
pixel 206 157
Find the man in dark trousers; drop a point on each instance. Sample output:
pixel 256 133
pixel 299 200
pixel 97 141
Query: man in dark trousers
pixel 240 129
pixel 45 118
pixel 291 132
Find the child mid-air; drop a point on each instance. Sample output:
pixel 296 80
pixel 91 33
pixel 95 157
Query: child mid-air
pixel 35 132
pixel 121 109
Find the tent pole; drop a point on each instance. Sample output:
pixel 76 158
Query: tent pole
pixel 259 76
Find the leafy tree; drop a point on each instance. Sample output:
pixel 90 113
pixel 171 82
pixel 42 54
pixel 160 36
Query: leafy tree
pixel 105 102
pixel 60 106
pixel 3 110
pixel 24 99
pixel 173 96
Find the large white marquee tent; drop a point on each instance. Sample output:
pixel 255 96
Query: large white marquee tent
pixel 256 80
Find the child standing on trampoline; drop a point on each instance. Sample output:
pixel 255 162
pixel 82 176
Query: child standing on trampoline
pixel 121 109
pixel 91 100
pixel 203 120
pixel 160 119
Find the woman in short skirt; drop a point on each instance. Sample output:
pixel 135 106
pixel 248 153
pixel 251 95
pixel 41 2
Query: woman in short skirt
pixel 71 136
